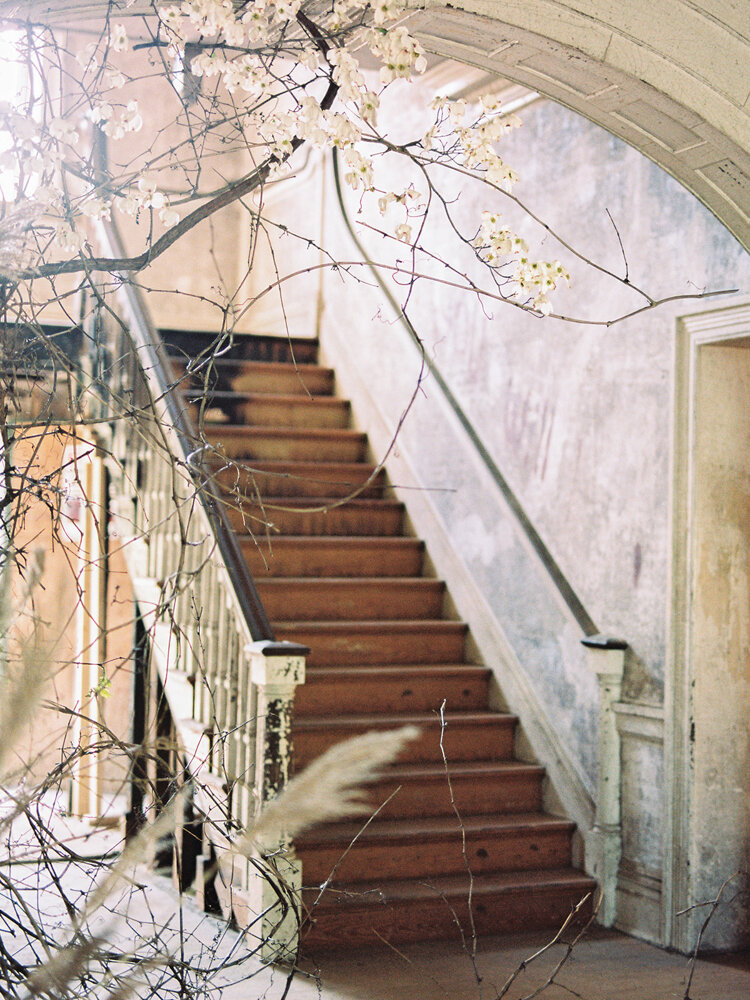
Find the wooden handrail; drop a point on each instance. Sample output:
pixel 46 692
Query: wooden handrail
pixel 556 575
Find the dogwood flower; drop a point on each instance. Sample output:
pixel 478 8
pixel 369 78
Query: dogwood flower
pixel 96 208
pixel 346 74
pixel 400 53
pixel 387 10
pixel 360 172
pixel 119 39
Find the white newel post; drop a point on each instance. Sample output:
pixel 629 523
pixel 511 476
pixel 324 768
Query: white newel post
pixel 606 658
pixel 276 668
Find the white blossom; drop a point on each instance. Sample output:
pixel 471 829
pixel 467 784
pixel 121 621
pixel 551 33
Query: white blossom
pixel 346 74
pixel 119 40
pixel 387 10
pixel 403 232
pixel 368 103
pixel 168 216
pixel 400 53
pixel 67 238
pixel 96 208
pixel 360 172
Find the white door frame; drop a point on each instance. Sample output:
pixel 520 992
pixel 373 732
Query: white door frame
pixel 713 326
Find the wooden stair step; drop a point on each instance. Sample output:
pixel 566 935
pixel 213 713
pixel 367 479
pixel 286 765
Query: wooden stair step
pixel 282 379
pixel 322 516
pixel 278 410
pixel 343 556
pixel 306 480
pixel 475 787
pixel 366 642
pixel 224 406
pixel 346 598
pixel 435 845
pixel 422 688
pixel 287 444
pixel 465 736
pixel 404 910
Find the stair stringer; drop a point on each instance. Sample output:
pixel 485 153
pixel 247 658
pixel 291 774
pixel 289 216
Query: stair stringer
pixel 566 790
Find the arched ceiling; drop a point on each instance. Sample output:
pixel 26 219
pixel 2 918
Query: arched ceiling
pixel 670 78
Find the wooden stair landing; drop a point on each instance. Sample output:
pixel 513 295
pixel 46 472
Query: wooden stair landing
pixel 325 541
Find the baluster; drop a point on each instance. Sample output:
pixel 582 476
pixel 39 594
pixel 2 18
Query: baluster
pixel 276 669
pixel 245 801
pixel 199 612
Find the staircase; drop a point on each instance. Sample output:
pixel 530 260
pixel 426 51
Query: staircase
pixel 342 577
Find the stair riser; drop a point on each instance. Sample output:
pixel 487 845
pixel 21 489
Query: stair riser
pixel 322 484
pixel 387 520
pixel 461 741
pixel 352 601
pixel 494 795
pixel 304 383
pixel 388 695
pixel 393 646
pixel 288 447
pixel 323 559
pixel 306 413
pixel 403 922
pixel 490 851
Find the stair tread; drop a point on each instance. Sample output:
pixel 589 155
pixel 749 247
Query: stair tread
pixel 298 501
pixel 306 465
pixel 331 541
pixel 270 398
pixel 250 364
pixel 394 830
pixel 374 892
pixel 310 433
pixel 402 719
pixel 347 582
pixel 397 670
pixel 375 625
pixel 459 769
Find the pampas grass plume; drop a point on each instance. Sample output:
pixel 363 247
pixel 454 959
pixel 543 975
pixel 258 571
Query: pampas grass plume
pixel 329 788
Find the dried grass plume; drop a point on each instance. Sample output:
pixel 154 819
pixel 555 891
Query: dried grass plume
pixel 330 788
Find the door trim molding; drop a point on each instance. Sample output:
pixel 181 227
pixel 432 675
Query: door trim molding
pixel 694 331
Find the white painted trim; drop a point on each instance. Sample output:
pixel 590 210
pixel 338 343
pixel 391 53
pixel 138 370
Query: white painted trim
pixel 642 722
pixel 639 893
pixel 710 325
pixel 486 631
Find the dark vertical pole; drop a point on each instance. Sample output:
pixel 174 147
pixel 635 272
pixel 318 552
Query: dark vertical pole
pixel 139 708
pixel 165 771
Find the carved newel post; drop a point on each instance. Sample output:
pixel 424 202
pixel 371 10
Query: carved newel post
pixel 275 879
pixel 606 657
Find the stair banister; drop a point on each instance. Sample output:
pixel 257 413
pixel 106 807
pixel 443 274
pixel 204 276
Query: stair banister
pixel 197 598
pixel 151 353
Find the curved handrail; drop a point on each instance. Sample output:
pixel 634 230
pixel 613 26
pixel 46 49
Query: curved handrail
pixel 564 588
pixel 151 350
